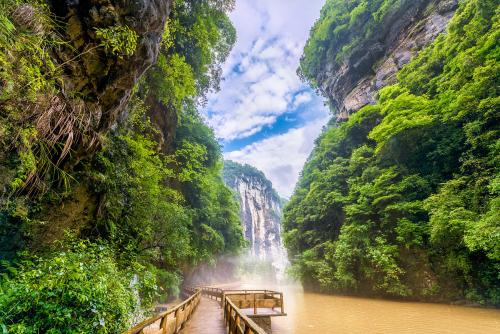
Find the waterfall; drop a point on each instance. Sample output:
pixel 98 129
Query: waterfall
pixel 260 211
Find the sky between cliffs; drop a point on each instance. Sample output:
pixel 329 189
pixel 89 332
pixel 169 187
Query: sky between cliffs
pixel 264 115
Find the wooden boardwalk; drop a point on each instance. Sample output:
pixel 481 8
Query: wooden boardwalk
pixel 208 319
pixel 217 312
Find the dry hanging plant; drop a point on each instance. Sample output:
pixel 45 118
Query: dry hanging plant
pixel 28 16
pixel 61 125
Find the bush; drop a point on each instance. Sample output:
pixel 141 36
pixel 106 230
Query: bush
pixel 80 290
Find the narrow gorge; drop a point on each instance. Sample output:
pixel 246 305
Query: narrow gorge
pixel 121 123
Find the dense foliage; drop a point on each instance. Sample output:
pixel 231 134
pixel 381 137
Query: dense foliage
pixel 73 289
pixel 233 171
pixel 143 204
pixel 402 200
pixel 340 31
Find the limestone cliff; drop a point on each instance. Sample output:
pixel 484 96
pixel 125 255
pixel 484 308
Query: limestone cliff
pixel 373 63
pixel 260 211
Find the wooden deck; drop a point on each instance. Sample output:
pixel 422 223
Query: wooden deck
pixel 266 303
pixel 208 319
pixel 218 312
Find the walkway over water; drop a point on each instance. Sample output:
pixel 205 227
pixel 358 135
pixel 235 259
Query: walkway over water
pixel 208 318
pixel 220 311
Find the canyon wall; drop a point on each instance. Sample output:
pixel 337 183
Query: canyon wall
pixel 373 63
pixel 387 204
pixel 260 212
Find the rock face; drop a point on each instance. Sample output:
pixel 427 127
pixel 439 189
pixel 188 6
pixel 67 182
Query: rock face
pixel 95 73
pixel 375 62
pixel 260 211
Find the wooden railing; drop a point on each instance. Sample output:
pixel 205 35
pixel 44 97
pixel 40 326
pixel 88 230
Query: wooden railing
pixel 248 299
pixel 232 302
pixel 213 293
pixel 170 321
pixel 236 322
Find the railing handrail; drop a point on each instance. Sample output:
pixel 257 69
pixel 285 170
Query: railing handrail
pixel 256 329
pixel 266 292
pixel 140 326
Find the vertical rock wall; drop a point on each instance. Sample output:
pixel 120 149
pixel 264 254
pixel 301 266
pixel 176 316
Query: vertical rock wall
pixel 260 211
pixel 104 79
pixel 374 63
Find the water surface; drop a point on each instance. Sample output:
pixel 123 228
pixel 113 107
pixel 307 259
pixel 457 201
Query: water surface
pixel 318 313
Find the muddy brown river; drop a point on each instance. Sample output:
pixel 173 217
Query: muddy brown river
pixel 317 313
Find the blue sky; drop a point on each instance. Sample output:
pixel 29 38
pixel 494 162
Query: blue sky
pixel 264 115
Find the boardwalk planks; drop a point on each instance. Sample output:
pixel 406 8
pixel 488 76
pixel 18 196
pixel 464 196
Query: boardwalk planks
pixel 233 303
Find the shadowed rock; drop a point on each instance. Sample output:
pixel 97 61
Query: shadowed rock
pixel 95 73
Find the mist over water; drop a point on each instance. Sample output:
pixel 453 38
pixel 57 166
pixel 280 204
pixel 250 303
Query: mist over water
pixel 238 269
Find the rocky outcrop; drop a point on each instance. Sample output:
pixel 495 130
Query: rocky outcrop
pixel 260 211
pixel 374 63
pixel 166 120
pixel 101 77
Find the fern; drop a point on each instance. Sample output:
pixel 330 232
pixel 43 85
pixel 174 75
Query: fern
pixel 119 40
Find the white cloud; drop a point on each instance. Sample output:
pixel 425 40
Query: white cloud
pixel 261 85
pixel 256 72
pixel 301 99
pixel 271 36
pixel 281 157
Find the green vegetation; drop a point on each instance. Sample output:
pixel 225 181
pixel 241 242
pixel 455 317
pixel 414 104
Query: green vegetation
pixel 119 40
pixel 342 28
pixel 97 226
pixel 73 290
pixel 402 200
pixel 234 170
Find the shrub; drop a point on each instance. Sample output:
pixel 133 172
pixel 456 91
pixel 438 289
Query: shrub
pixel 79 290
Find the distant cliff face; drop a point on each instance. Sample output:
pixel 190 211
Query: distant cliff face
pixel 260 211
pixel 373 63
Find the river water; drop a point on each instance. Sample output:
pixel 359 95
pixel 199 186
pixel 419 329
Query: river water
pixel 317 313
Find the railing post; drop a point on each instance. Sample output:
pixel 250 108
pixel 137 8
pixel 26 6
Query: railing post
pixel 238 322
pixel 163 322
pixel 282 304
pixel 231 320
pixel 225 313
pixel 176 315
pixel 254 304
